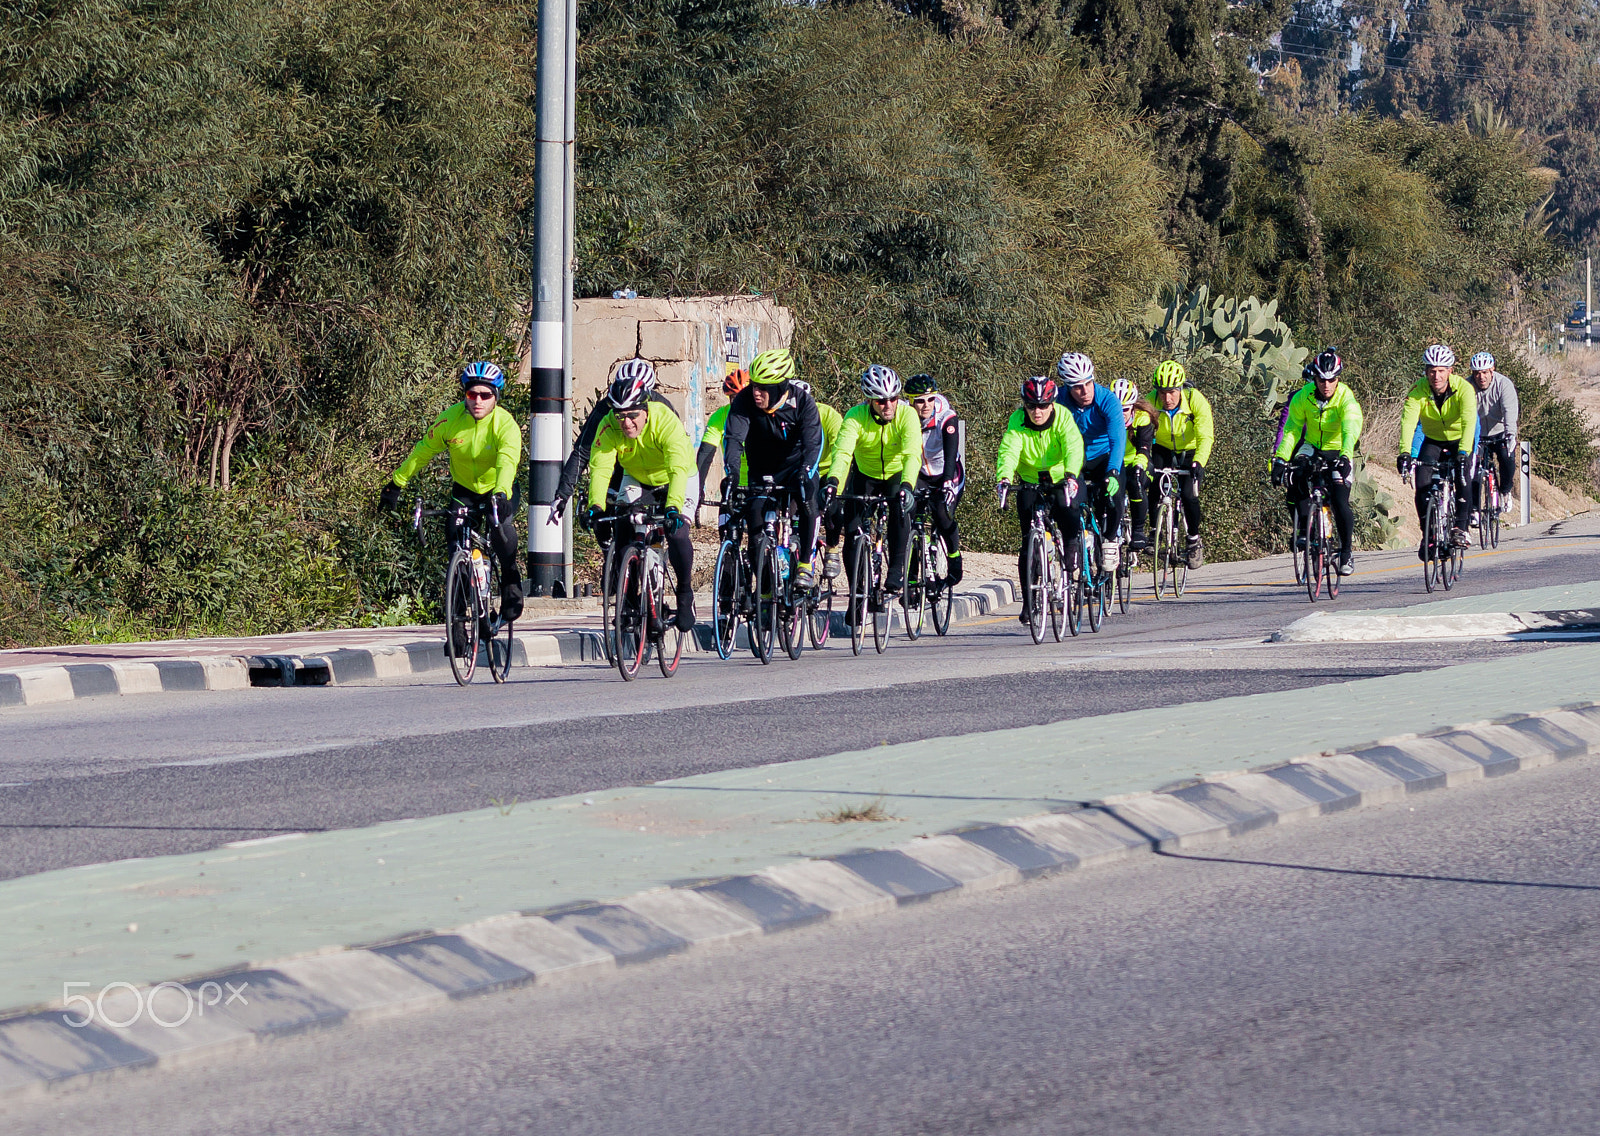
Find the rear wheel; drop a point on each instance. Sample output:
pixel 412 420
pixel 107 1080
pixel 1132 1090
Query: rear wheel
pixel 1092 588
pixel 820 609
pixel 725 588
pixel 497 633
pixel 669 643
pixel 461 617
pixel 1124 584
pixel 1492 510
pixel 629 631
pixel 860 589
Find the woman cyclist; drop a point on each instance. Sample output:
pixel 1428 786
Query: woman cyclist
pixel 942 467
pixel 1042 451
pixel 1139 421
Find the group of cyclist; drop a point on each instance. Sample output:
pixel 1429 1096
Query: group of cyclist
pixel 1072 440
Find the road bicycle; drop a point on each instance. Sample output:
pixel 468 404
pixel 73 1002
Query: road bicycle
pixel 1488 497
pixel 927 591
pixel 730 590
pixel 1316 535
pixel 1442 560
pixel 472 590
pixel 1044 588
pixel 640 617
pixel 778 603
pixel 1169 540
pixel 869 561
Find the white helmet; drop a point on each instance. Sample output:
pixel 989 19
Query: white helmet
pixel 1074 369
pixel 878 381
pixel 1482 361
pixel 1126 392
pixel 1438 356
pixel 632 384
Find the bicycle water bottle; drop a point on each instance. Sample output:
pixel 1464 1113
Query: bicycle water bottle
pixel 480 573
pixel 783 562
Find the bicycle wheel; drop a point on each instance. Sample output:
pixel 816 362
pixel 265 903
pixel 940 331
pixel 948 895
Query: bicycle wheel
pixel 1330 562
pixel 1124 584
pixel 793 614
pixel 724 598
pixel 496 633
pixel 860 592
pixel 1093 589
pixel 1180 551
pixel 943 600
pixel 1493 509
pixel 461 617
pixel 914 596
pixel 1055 586
pixel 1036 591
pixel 608 599
pixel 629 632
pixel 1297 550
pixel 819 606
pixel 1161 549
pixel 669 640
pixel 1074 601
pixel 764 572
pixel 1430 543
pixel 1312 560
pixel 880 606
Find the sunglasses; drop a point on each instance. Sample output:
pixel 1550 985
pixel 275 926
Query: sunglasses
pixel 480 395
pixel 922 400
pixel 632 415
pixel 883 401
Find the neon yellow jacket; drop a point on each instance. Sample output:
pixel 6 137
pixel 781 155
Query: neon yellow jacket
pixel 1025 452
pixel 1455 421
pixel 880 450
pixel 831 421
pixel 1133 455
pixel 1334 426
pixel 483 455
pixel 660 455
pixel 713 437
pixel 1189 427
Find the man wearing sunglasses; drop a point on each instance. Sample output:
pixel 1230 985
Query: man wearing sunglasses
pixel 878 453
pixel 485 447
pixel 648 441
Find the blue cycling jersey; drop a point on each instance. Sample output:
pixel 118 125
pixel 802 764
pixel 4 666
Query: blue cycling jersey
pixel 1100 423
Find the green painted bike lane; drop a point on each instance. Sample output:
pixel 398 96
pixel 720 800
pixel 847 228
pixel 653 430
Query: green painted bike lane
pixel 1559 597
pixel 265 901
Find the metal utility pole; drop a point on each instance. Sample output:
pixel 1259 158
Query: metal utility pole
pixel 1525 484
pixel 1588 300
pixel 550 330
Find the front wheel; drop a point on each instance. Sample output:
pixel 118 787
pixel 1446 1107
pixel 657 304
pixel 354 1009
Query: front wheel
pixel 820 609
pixel 461 617
pixel 860 592
pixel 1161 550
pixel 725 587
pixel 1311 573
pixel 764 627
pixel 1432 562
pixel 629 632
pixel 1036 585
pixel 914 597
pixel 880 606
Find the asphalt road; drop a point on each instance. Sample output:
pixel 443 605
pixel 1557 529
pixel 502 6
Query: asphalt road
pixel 100 780
pixel 1424 967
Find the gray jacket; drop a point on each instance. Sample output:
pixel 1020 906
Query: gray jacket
pixel 1497 409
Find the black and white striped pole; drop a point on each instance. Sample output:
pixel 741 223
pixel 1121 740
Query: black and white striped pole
pixel 550 333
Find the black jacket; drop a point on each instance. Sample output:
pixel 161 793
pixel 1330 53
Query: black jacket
pixel 780 443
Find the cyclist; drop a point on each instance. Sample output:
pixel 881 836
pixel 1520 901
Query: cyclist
pixel 943 468
pixel 1497 424
pixel 773 430
pixel 1183 440
pixel 711 440
pixel 1139 421
pixel 1440 420
pixel 877 454
pixel 572 468
pixel 647 441
pixel 831 421
pixel 485 446
pixel 1098 415
pixel 1324 418
pixel 1041 441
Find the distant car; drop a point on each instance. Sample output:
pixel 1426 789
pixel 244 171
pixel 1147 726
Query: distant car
pixel 1579 318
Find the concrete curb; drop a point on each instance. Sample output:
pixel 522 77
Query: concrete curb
pixel 33 686
pixel 125 1028
pixel 1354 627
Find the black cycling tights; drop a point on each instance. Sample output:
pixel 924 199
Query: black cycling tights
pixel 680 549
pixel 502 538
pixel 860 485
pixel 1297 496
pixel 1188 488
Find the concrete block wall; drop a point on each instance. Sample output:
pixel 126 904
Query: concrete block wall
pixel 693 343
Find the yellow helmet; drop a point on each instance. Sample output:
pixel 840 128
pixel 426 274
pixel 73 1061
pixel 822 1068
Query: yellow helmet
pixel 771 367
pixel 1168 375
